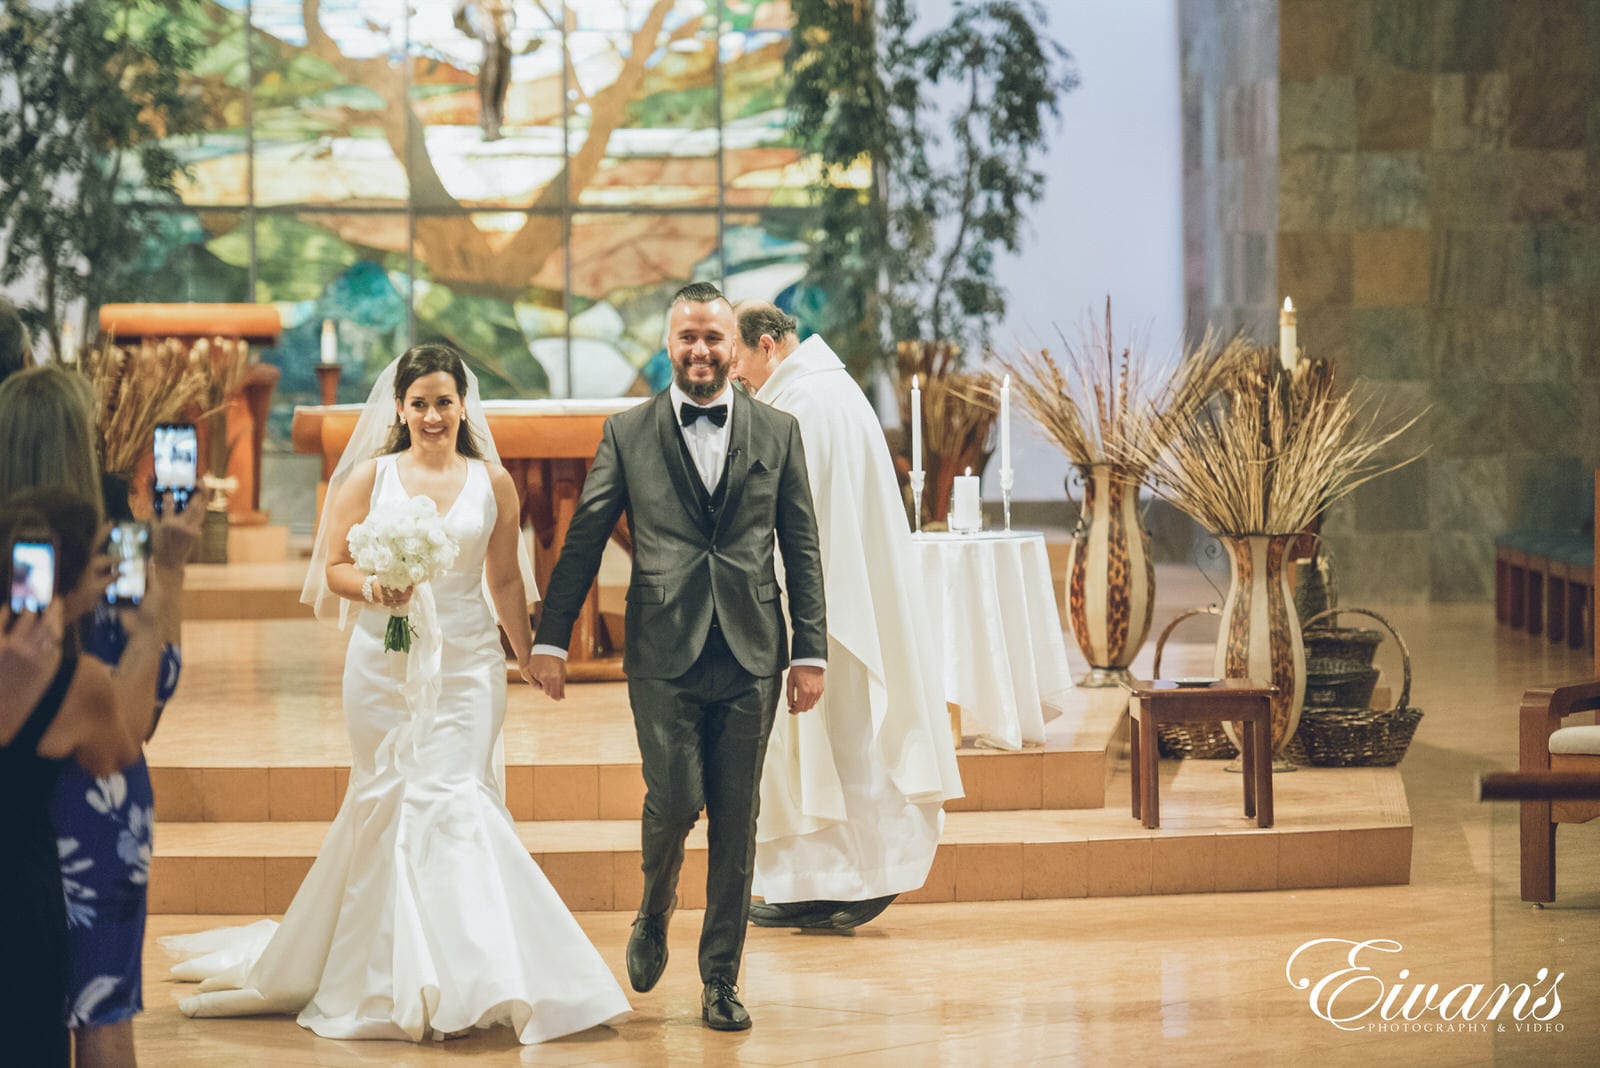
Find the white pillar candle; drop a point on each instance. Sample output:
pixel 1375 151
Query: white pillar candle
pixel 965 510
pixel 1005 425
pixel 1287 341
pixel 330 342
pixel 916 426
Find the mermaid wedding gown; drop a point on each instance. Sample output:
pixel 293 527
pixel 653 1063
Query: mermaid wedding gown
pixel 423 912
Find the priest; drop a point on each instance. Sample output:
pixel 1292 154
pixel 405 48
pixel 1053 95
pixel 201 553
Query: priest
pixel 851 795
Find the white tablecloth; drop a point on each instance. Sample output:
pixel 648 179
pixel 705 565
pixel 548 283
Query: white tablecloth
pixel 993 606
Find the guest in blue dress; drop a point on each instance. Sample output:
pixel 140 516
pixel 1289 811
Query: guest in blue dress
pixel 104 830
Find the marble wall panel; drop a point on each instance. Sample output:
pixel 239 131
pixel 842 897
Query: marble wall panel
pixel 1395 502
pixel 1548 187
pixel 1316 267
pixel 1318 115
pixel 1461 566
pixel 1393 343
pixel 1314 39
pixel 1471 266
pixel 1469 35
pixel 1547 110
pixel 1470 494
pixel 1391 267
pixel 1391 190
pixel 1471 111
pixel 1387 569
pixel 1317 191
pixel 1470 188
pixel 1394 112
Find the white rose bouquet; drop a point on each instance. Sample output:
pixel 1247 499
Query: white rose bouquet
pixel 403 547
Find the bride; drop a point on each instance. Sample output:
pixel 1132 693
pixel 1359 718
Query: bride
pixel 423 912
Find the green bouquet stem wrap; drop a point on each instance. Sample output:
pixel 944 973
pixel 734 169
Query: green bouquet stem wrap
pixel 397 638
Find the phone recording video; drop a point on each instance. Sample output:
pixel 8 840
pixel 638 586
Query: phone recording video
pixel 177 452
pixel 130 549
pixel 33 575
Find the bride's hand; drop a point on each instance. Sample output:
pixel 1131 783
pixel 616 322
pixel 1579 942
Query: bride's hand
pixel 393 598
pixel 525 667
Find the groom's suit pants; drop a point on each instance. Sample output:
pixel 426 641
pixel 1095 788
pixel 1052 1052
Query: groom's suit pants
pixel 702 739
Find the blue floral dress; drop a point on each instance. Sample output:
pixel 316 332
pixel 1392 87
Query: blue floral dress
pixel 103 838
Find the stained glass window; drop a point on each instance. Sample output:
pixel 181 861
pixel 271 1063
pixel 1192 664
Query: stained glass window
pixel 529 180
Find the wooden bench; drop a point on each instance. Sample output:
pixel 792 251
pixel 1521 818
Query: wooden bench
pixel 1544 584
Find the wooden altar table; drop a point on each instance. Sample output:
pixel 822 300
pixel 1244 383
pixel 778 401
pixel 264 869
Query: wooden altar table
pixel 547 446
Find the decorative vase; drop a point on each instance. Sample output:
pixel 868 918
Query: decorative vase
pixel 1111 576
pixel 1260 635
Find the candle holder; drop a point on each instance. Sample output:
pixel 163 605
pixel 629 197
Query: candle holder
pixel 1007 479
pixel 328 382
pixel 918 480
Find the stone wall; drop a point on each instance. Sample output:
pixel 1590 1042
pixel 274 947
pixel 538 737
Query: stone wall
pixel 1438 225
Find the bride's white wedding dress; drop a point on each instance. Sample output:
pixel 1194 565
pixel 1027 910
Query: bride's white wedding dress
pixel 423 912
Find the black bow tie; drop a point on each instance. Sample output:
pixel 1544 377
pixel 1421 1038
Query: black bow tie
pixel 717 413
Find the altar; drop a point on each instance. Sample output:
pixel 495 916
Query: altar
pixel 547 446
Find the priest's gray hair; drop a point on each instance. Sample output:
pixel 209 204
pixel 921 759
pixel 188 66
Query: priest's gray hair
pixel 763 318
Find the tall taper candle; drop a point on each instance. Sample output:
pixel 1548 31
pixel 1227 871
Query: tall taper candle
pixel 1005 424
pixel 330 342
pixel 1287 341
pixel 916 425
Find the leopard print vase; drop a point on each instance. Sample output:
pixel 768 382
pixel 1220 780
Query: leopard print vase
pixel 1260 635
pixel 1111 576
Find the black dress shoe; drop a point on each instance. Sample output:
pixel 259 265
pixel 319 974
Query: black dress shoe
pixel 794 913
pixel 721 1008
pixel 856 913
pixel 647 948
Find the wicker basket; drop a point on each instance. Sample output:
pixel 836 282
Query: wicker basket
pixel 1185 741
pixel 1332 650
pixel 1359 737
pixel 1350 688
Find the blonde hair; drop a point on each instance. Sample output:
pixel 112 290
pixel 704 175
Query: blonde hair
pixel 47 434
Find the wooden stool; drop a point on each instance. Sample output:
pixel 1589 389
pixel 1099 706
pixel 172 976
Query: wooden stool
pixel 1240 701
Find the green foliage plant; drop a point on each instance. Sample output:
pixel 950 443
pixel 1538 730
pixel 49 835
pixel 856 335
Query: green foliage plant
pixel 92 89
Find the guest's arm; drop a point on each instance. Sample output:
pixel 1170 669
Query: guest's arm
pixel 30 653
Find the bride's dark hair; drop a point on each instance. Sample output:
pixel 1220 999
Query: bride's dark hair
pixel 420 360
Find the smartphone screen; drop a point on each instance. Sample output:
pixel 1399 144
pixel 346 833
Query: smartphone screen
pixel 177 452
pixel 33 575
pixel 130 548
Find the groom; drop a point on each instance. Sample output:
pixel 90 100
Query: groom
pixel 705 476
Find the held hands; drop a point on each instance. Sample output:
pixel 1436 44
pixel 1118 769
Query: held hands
pixel 547 672
pixel 805 688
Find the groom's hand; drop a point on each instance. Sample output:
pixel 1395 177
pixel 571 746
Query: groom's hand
pixel 805 688
pixel 549 673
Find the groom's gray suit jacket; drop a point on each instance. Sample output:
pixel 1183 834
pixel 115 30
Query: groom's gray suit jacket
pixel 698 555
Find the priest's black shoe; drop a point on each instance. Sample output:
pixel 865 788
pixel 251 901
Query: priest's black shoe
pixel 794 913
pixel 855 913
pixel 721 1008
pixel 647 948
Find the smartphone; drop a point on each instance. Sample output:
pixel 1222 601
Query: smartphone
pixel 130 548
pixel 177 452
pixel 33 574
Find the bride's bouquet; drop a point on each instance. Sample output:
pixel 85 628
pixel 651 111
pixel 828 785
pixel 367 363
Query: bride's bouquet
pixel 403 546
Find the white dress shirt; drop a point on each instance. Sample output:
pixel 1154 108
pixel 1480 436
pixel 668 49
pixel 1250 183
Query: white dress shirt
pixel 708 442
pixel 708 447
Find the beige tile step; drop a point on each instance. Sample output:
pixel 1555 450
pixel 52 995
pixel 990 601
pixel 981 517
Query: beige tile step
pixel 1336 827
pixel 575 761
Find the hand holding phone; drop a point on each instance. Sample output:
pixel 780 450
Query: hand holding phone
pixel 130 549
pixel 33 573
pixel 177 456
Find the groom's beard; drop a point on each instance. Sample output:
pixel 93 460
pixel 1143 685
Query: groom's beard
pixel 701 391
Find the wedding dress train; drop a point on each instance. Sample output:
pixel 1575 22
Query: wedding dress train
pixel 423 912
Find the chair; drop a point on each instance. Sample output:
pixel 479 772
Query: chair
pixel 1546 744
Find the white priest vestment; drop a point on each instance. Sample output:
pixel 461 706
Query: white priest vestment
pixel 852 790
